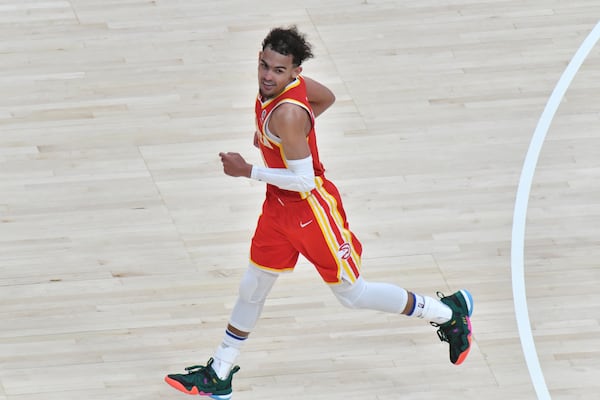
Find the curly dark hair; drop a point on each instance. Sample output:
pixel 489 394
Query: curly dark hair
pixel 289 42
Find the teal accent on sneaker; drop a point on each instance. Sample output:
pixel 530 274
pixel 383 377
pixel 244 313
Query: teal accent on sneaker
pixel 203 380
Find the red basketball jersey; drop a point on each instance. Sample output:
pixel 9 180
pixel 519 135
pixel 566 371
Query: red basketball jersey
pixel 270 145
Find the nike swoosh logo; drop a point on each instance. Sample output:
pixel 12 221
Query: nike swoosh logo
pixel 305 224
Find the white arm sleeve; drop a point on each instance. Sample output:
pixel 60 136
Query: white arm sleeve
pixel 298 177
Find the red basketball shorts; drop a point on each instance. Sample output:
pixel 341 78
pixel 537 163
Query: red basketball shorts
pixel 315 227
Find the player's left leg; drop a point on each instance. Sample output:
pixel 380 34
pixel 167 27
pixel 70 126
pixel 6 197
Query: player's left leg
pixel 451 314
pixel 457 330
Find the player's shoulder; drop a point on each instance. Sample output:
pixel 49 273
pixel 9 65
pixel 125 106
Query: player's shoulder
pixel 290 111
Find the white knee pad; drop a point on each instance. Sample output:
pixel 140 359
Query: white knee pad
pixel 371 295
pixel 349 294
pixel 256 285
pixel 254 288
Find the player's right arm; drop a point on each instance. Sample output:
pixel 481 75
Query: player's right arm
pixel 291 124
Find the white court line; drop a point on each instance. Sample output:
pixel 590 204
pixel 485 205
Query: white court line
pixel 520 213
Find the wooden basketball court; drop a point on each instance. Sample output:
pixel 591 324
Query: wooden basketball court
pixel 122 242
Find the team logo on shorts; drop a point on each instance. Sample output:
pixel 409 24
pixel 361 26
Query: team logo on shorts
pixel 344 251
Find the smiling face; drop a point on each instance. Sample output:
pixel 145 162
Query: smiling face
pixel 275 72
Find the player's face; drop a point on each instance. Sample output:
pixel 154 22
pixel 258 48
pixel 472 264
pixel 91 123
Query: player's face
pixel 275 71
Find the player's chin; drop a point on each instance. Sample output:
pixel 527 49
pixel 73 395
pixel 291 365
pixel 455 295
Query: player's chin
pixel 265 94
pixel 266 91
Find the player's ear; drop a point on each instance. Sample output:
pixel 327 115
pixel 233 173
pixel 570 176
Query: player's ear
pixel 296 71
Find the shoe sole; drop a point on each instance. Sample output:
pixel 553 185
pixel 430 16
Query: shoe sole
pixel 177 385
pixel 469 302
pixel 463 356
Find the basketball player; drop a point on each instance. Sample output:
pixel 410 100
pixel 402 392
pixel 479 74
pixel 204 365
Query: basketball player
pixel 303 214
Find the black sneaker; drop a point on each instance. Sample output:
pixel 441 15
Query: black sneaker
pixel 203 381
pixel 457 331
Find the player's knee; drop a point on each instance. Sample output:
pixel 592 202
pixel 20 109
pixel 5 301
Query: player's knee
pixel 256 285
pixel 248 286
pixel 349 294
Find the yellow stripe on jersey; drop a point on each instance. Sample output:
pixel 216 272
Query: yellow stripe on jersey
pixel 330 237
pixel 278 270
pixel 332 202
pixel 293 101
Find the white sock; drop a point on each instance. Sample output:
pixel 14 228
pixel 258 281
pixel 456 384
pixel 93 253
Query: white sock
pixel 226 354
pixel 431 309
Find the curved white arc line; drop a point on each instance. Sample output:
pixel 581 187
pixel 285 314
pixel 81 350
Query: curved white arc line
pixel 520 212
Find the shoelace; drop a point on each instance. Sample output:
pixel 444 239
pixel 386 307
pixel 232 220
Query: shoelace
pixel 206 371
pixel 196 368
pixel 441 334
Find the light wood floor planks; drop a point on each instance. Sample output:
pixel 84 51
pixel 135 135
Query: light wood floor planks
pixel 122 243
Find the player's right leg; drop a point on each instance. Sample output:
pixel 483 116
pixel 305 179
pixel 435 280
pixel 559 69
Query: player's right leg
pixel 214 379
pixel 203 380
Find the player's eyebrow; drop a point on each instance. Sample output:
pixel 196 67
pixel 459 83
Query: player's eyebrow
pixel 270 66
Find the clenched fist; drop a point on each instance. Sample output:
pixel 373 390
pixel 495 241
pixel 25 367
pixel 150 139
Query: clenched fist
pixel 235 165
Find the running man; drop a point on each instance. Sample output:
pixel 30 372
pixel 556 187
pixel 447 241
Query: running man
pixel 303 214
